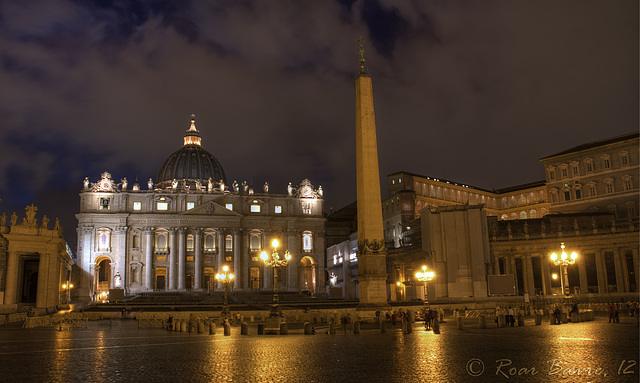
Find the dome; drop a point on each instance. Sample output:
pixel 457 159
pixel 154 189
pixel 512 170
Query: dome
pixel 190 164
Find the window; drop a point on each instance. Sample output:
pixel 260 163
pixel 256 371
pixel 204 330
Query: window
pixel 307 241
pixel 255 208
pixel 137 206
pixel 565 172
pixel 533 214
pixel 575 169
pixel 228 243
pixel 589 166
pixel 278 209
pixel 162 206
pixel 554 195
pixel 523 215
pixel 190 205
pixel 190 242
pixel 161 242
pixel 104 204
pixel 552 174
pixel 209 242
pixel 627 183
pixel 592 190
pixel 104 239
pixel 136 241
pixel 578 193
pixel 254 243
pixel 306 208
pixel 567 195
pixel 229 206
pixel 608 186
pixel 624 159
pixel 606 162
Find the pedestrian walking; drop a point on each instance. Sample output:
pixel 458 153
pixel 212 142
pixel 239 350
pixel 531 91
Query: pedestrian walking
pixel 612 313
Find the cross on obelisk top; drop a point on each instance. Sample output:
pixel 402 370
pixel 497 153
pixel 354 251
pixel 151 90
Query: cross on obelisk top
pixel 361 41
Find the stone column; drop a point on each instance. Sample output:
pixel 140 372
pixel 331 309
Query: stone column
pixel 221 249
pixel 618 269
pixel 181 259
pixel 636 267
pixel 625 270
pixel 294 240
pixel 85 279
pixel 245 262
pixel 11 282
pixel 237 266
pixel 148 253
pixel 173 253
pixel 514 270
pixel 43 280
pixel 582 268
pixel 602 276
pixel 121 257
pixel 112 274
pixel 531 286
pixel 496 266
pixel 197 283
pixel 546 274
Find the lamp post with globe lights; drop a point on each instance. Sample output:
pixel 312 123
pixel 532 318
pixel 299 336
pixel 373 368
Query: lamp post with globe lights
pixel 65 288
pixel 425 276
pixel 227 278
pixel 564 260
pixel 275 260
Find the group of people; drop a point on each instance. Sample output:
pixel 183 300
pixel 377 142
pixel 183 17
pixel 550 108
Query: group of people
pixel 509 316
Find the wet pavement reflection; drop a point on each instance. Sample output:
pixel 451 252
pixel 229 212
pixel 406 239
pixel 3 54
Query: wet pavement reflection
pixel 116 351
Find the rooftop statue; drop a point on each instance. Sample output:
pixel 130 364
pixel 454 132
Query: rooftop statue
pixel 3 220
pixel 45 222
pixel 150 184
pixel 124 183
pixel 31 215
pixel 14 219
pixel 86 183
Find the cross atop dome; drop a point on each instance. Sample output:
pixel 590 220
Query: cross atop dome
pixel 193 135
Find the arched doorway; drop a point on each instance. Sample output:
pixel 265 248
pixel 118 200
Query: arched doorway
pixel 103 274
pixel 307 275
pixel 29 280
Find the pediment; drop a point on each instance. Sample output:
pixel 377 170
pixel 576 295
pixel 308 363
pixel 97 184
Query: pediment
pixel 212 208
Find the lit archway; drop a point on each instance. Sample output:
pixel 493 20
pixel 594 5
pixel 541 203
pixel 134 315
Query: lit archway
pixel 307 275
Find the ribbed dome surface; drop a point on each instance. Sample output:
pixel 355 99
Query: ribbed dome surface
pixel 190 163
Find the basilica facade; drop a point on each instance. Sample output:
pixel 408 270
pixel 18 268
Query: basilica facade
pixel 176 233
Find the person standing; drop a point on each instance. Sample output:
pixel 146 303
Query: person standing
pixel 612 312
pixel 510 320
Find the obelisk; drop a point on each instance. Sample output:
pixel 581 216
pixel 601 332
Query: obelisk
pixel 372 270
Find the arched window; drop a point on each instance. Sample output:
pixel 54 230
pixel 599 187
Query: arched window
pixel 209 242
pixel 514 216
pixel 307 241
pixel 533 214
pixel 161 241
pixel 136 241
pixel 190 242
pixel 254 242
pixel 104 239
pixel 228 242
pixel 504 217
pixel 523 215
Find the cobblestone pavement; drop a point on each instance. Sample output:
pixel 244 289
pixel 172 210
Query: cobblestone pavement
pixel 116 351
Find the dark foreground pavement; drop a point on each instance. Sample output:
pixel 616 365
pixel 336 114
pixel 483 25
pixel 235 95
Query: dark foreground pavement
pixel 117 351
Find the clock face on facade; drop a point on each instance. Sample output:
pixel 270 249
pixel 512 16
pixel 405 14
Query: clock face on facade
pixel 105 184
pixel 306 191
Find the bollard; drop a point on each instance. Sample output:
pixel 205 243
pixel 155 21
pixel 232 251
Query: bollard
pixel 383 327
pixel 482 321
pixel 260 328
pixel 283 328
pixel 436 326
pixel 244 328
pixel 502 322
pixel 564 318
pixel 356 327
pixel 520 320
pixel 409 327
pixel 307 328
pixel 227 328
pixel 200 327
pixel 251 318
pixel 552 319
pixel 192 328
pixel 460 323
pixel 538 319
pixel 212 328
pixel 332 328
pixel 183 326
pixel 574 317
pixel 176 325
pixel 412 316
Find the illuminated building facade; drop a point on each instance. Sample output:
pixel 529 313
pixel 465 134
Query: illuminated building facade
pixel 175 233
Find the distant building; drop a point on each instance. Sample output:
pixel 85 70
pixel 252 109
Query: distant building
pixel 589 201
pixel 35 263
pixel 175 234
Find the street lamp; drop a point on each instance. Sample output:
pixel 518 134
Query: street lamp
pixel 425 276
pixel 564 260
pixel 227 278
pixel 275 261
pixel 65 288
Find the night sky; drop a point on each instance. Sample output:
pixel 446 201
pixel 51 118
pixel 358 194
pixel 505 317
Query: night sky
pixel 470 91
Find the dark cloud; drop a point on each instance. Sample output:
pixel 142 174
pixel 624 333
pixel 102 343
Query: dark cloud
pixel 474 92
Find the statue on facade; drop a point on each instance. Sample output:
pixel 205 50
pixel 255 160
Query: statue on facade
pixel 320 191
pixel 124 183
pixel 30 212
pixel 14 219
pixel 86 183
pixel 150 184
pixel 209 185
pixel 290 189
pixel 174 184
pixel 198 185
pixel 136 186
pixel 222 186
pixel 525 228
pixel 245 187
pixel 45 222
pixel 266 187
pixel 250 190
pixel 3 220
pixel 57 225
pixel 236 188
